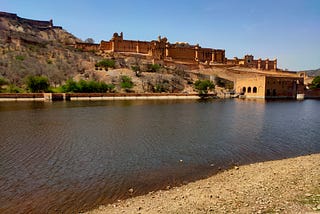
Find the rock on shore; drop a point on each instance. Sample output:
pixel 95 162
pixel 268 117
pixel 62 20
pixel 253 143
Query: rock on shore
pixel 283 186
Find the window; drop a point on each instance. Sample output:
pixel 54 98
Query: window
pixel 254 89
pixel 249 90
pixel 244 90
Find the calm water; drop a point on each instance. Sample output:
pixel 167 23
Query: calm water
pixel 74 156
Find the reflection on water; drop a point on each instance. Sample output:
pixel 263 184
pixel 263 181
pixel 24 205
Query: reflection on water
pixel 73 156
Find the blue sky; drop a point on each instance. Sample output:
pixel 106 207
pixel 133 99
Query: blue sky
pixel 285 29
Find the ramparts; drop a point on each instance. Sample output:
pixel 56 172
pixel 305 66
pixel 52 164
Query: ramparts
pixel 34 23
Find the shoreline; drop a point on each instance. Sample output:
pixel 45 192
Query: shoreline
pixel 281 186
pixel 50 97
pixel 7 97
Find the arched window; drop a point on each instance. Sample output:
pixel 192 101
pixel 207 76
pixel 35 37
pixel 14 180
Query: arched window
pixel 254 89
pixel 244 90
pixel 249 90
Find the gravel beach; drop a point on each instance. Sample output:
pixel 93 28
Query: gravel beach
pixel 282 186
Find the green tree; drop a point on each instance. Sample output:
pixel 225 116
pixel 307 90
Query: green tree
pixel 315 82
pixel 37 84
pixel 203 86
pixel 71 86
pixel 84 86
pixel 126 83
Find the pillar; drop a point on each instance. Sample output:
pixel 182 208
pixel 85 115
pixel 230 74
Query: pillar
pixel 213 56
pixel 267 64
pixel 112 46
pixel 167 50
pixel 259 63
pixel 275 64
pixel 197 53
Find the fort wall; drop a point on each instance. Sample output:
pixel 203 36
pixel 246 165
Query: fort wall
pixel 35 23
pixel 87 46
pixel 186 54
pixel 161 49
pixel 105 46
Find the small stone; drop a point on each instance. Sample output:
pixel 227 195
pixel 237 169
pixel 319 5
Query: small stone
pixel 212 165
pixel 181 161
pixel 308 194
pixel 130 190
pixel 236 167
pixel 318 207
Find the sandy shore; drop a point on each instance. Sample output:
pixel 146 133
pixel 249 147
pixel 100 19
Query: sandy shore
pixel 284 186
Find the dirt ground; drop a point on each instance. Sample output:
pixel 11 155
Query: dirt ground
pixel 283 186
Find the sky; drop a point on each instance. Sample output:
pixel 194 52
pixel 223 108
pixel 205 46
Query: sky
pixel 288 30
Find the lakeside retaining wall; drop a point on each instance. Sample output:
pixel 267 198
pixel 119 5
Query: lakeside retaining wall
pixel 312 93
pixel 309 94
pixel 92 96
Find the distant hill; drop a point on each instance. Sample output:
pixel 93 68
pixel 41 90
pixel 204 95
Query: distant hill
pixel 313 72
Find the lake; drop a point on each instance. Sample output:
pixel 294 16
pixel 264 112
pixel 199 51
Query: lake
pixel 74 156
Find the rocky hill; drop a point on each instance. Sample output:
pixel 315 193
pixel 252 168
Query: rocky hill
pixel 32 47
pixel 314 73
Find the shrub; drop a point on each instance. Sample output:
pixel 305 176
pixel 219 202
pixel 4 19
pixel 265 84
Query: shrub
pixel 126 82
pixel 37 84
pixel 20 58
pixel 137 70
pixel 106 63
pixel 14 89
pixel 153 67
pixel 203 86
pixel 90 86
pixel 315 82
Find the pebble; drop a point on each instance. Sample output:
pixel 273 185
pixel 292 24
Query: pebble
pixel 318 207
pixel 308 194
pixel 130 190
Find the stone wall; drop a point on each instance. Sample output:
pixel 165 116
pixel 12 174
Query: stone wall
pixel 87 46
pixel 269 86
pixel 250 62
pixel 105 46
pixel 186 54
pixel 34 23
pixel 252 87
pixel 312 93
pixel 284 86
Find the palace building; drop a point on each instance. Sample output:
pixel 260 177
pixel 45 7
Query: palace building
pixel 161 49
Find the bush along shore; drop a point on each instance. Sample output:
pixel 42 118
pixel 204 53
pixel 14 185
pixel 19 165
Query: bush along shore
pixel 282 186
